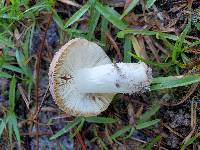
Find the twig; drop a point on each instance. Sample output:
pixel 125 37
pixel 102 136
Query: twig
pixel 69 2
pixel 161 48
pixel 43 99
pixel 170 129
pixel 193 122
pixel 185 98
pixel 152 48
pixel 38 64
pixel 142 141
pixel 79 138
pixel 114 45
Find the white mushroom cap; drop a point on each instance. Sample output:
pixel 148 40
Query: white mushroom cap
pixel 75 55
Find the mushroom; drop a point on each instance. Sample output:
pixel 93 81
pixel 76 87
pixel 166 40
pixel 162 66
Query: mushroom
pixel 83 80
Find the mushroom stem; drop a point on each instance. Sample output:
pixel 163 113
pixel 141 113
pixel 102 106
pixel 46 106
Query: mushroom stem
pixel 113 78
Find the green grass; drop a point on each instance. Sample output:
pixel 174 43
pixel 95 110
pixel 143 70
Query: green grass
pixel 80 121
pixel 144 121
pixel 16 69
pixel 77 15
pixel 129 8
pixel 10 119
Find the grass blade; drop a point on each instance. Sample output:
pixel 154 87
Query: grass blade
pixel 127 49
pixel 104 29
pixel 93 22
pixel 15 128
pixel 150 145
pixel 12 93
pixel 111 15
pixel 150 3
pixel 121 132
pixel 6 42
pixel 129 8
pixel 12 68
pixel 190 141
pixel 174 81
pixel 149 113
pixel 96 119
pixel 77 15
pixel 10 129
pixel 5 75
pixel 147 124
pixel 195 43
pixel 130 133
pixel 57 19
pixel 79 127
pixel 102 144
pixel 179 43
pixel 22 63
pixel 35 9
pixel 2 126
pixel 26 43
pixel 67 128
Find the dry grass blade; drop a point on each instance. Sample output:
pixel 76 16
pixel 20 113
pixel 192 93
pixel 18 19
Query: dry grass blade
pixel 145 142
pixel 185 98
pixel 114 45
pixel 152 48
pixel 131 114
pixel 140 51
pixel 69 2
pixel 161 48
pixel 24 95
pixel 139 112
pixel 171 130
pixel 193 122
